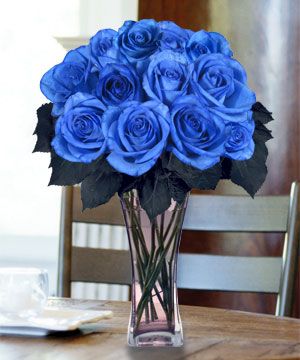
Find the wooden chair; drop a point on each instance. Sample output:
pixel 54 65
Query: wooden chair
pixel 228 273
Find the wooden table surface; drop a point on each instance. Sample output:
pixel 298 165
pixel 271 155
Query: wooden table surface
pixel 209 334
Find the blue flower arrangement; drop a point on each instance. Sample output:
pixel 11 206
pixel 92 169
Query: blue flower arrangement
pixel 152 107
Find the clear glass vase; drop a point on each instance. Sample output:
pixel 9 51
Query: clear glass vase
pixel 154 319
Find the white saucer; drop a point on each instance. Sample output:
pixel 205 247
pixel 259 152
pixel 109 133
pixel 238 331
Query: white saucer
pixel 52 320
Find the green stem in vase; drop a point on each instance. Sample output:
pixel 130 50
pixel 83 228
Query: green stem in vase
pixel 140 264
pixel 152 307
pixel 160 256
pixel 138 238
pixel 164 272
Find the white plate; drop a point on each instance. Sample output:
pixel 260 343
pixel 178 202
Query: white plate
pixel 52 320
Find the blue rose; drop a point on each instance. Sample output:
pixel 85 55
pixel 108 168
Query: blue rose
pixel 103 48
pixel 204 42
pixel 197 134
pixel 239 144
pixel 78 132
pixel 137 135
pixel 167 76
pixel 67 78
pixel 138 40
pixel 118 83
pixel 80 55
pixel 173 37
pixel 221 83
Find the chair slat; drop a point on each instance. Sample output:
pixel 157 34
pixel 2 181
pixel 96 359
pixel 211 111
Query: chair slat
pixel 206 213
pixel 237 213
pixel 209 272
pixel 229 273
pixel 101 265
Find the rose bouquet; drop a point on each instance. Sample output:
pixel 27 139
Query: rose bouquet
pixel 150 112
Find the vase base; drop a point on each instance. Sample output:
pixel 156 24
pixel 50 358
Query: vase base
pixel 156 339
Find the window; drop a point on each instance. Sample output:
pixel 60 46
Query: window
pixel 29 210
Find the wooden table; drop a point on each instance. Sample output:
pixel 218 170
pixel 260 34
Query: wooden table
pixel 209 334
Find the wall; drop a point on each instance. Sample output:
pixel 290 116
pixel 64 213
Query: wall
pixel 264 35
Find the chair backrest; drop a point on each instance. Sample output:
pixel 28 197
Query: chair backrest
pixel 195 271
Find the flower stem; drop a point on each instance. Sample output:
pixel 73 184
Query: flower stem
pixel 154 262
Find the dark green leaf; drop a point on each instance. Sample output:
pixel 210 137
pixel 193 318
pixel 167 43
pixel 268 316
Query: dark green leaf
pixel 44 128
pixel 194 178
pixel 262 133
pixel 260 113
pixel 178 188
pixel 65 172
pixel 100 186
pixel 251 174
pixel 154 192
pixel 129 183
pixel 226 168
